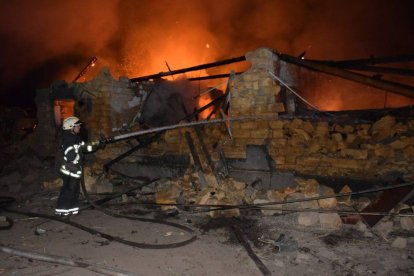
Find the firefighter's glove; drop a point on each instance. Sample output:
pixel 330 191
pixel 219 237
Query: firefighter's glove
pixel 95 145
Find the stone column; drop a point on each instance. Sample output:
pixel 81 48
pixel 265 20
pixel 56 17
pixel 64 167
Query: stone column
pixel 255 91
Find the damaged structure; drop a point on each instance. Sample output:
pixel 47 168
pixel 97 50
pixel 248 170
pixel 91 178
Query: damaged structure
pixel 258 131
pixel 250 145
pixel 342 144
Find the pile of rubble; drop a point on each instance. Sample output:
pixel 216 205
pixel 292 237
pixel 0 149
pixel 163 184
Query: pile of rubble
pixel 325 212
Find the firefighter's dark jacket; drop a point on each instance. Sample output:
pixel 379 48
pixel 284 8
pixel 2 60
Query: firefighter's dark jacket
pixel 73 149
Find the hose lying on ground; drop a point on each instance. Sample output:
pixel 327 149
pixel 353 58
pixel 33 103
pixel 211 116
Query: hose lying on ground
pixel 110 237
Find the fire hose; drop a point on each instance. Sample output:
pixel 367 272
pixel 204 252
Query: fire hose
pixel 105 235
pixel 181 125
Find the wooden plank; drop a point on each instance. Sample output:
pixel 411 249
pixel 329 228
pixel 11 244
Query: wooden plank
pixel 241 238
pixel 394 87
pixel 199 131
pixel 196 158
pixel 189 69
pixel 385 203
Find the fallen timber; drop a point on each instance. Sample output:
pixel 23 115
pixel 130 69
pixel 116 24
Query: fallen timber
pixel 376 69
pixel 394 87
pixel 336 68
pixel 155 137
pixel 189 69
pixel 369 61
pixel 219 76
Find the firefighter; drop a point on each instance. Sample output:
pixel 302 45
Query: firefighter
pixel 71 169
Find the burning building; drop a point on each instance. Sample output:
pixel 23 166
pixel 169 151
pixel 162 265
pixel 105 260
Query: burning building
pixel 261 113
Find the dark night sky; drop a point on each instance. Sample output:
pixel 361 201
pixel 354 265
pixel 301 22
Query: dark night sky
pixel 46 40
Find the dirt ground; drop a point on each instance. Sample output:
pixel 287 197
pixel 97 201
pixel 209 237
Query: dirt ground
pixel 302 250
pixel 283 245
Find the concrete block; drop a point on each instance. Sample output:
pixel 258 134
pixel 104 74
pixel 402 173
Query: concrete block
pixel 308 218
pixel 330 221
pixel 399 242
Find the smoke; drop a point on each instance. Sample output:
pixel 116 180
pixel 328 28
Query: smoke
pixel 45 40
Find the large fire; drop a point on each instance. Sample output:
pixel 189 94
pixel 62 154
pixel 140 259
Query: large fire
pixel 135 38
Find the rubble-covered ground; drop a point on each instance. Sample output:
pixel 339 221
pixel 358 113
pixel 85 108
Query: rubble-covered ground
pixel 287 243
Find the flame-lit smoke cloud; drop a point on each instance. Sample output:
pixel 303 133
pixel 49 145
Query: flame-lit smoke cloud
pixel 45 40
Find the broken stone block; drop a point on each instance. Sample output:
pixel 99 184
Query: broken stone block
pixel 268 212
pixel 308 218
pixel 407 223
pixel 330 221
pixel 311 189
pixel 384 227
pixel 360 226
pixel 124 198
pixel 311 204
pixel 327 202
pixel 385 122
pixel 234 212
pixel 302 134
pixel 238 185
pixel 399 242
pixel 400 207
pixel 204 196
pixel 166 197
pixel 346 200
pixel 361 203
pixel 54 184
pixel 398 145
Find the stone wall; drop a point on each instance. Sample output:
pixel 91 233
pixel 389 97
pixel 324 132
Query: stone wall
pixel 368 150
pixel 109 105
pixel 328 148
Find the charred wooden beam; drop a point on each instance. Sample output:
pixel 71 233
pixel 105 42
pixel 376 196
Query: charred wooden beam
pixel 199 131
pixel 394 87
pixel 90 64
pixel 219 76
pixel 223 161
pixel 369 61
pixel 196 159
pixel 242 239
pixel 385 203
pixel 189 69
pixel 376 69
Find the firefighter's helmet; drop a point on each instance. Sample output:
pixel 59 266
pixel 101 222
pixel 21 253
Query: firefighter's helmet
pixel 71 122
